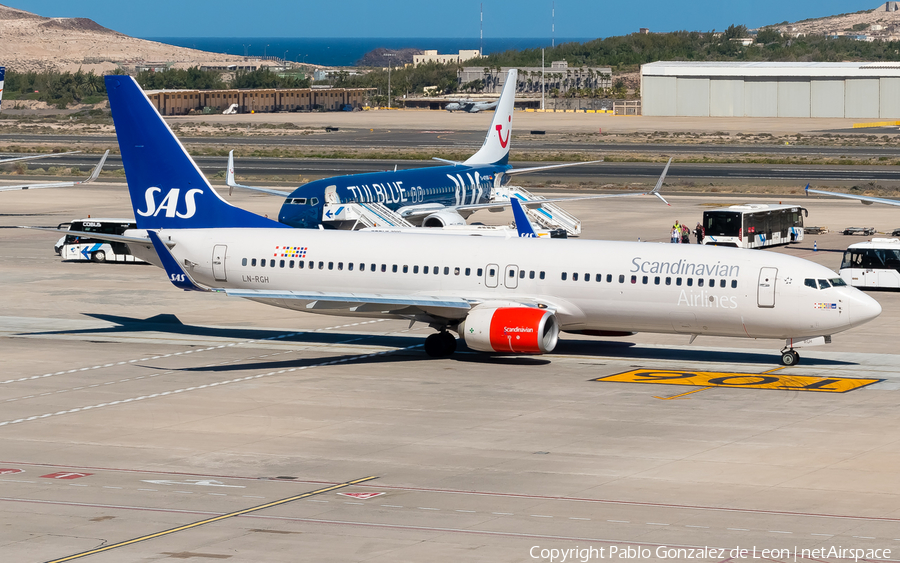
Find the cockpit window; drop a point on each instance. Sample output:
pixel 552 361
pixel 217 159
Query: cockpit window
pixel 297 201
pixel 823 284
pixel 838 282
pixel 810 283
pixel 314 201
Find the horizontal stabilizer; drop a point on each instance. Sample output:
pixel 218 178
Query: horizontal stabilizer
pixel 176 273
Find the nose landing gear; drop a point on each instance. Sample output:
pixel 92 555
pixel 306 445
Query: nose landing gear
pixel 789 357
pixel 440 345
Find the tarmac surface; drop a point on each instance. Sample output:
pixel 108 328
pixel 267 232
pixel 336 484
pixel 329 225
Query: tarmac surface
pixel 143 423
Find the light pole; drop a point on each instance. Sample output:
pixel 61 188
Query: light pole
pixel 390 66
pixel 284 59
pixel 542 79
pixel 265 50
pixel 246 47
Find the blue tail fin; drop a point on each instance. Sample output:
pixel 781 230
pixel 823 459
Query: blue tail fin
pixel 167 189
pixel 523 225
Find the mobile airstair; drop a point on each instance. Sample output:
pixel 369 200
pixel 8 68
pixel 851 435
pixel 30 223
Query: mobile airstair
pixel 359 215
pixel 548 215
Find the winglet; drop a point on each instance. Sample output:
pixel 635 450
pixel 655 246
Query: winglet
pixel 806 189
pixel 523 225
pixel 96 173
pixel 229 173
pixel 659 183
pixel 176 273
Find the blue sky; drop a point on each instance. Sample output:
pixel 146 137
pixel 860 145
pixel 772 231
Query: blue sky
pixel 424 18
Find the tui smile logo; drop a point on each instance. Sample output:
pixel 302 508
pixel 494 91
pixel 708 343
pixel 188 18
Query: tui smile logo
pixel 503 142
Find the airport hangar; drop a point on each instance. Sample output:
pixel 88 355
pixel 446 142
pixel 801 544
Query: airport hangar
pixel 767 89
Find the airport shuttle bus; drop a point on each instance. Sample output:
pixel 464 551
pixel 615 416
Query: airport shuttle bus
pixel 754 226
pixel 873 264
pixel 77 247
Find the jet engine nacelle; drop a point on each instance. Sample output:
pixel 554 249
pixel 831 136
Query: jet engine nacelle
pixel 443 218
pixel 516 330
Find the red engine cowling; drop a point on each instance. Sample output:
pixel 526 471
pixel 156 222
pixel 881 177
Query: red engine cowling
pixel 511 330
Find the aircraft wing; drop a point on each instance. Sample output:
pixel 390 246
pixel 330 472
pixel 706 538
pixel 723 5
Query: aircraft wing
pixel 515 171
pixel 37 156
pixel 88 180
pixel 229 181
pixel 98 236
pixel 538 202
pixel 866 200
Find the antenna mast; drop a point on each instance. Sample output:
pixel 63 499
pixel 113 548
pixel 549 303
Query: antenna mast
pixel 553 25
pixel 481 30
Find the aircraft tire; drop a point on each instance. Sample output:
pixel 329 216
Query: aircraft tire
pixel 790 358
pixel 99 256
pixel 440 345
pixel 449 343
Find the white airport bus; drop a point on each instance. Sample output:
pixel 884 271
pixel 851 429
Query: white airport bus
pixel 80 248
pixel 873 264
pixel 754 225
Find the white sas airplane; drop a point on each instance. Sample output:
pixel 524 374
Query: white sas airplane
pixel 499 295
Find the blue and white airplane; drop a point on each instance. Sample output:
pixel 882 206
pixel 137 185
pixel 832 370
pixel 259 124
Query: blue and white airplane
pixel 500 295
pixel 432 197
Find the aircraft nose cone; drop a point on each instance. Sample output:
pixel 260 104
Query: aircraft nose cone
pixel 863 308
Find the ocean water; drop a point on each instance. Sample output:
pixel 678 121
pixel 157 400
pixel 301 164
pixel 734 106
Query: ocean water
pixel 345 52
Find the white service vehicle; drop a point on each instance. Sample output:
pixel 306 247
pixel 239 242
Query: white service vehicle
pixel 872 264
pixel 78 247
pixel 754 225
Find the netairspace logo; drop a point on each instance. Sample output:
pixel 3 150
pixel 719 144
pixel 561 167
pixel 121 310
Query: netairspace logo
pixel 627 552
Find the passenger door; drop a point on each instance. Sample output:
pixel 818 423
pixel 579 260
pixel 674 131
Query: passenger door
pixel 766 291
pixel 218 262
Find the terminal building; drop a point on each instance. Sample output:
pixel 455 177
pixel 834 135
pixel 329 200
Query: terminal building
pixel 771 89
pixel 559 75
pixel 183 102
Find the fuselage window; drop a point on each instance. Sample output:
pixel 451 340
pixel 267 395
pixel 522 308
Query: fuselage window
pixel 493 273
pixel 563 275
pixel 253 262
pixel 436 270
pixel 646 280
pixel 469 272
pixel 478 272
pixel 633 279
pixel 405 269
pixel 587 277
pixel 262 263
pixel 362 267
pixel 700 282
pixel 300 264
pixel 331 265
pixel 575 276
pixel 291 264
pixel 424 269
pixel 311 265
pixel 531 275
pixel 608 278
pixel 722 283
pixel 272 263
pixel 733 284
pixel 415 269
pixel 394 268
pixel 384 267
pixel 668 281
pixel 823 284
pixel 656 280
pixel 810 283
pixel 712 283
pixel 373 267
pixel 281 264
pixel 677 281
pixel 542 275
pixel 244 262
pixel 690 282
pixel 621 278
pixel 446 270
pixel 350 266
pixel 598 278
pixel 456 271
pixel 321 265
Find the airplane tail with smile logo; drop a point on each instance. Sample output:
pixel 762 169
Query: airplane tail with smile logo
pixel 167 189
pixel 495 149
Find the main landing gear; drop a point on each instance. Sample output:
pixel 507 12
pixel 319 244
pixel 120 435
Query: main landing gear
pixel 440 345
pixel 789 357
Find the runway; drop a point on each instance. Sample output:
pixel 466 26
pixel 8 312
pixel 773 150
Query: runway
pixel 142 422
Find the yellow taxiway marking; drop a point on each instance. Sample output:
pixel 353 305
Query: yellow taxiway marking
pixel 213 519
pixel 766 380
pixel 682 394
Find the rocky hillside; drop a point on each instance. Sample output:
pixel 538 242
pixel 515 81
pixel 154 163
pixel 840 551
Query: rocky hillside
pixel 33 42
pixel 882 22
